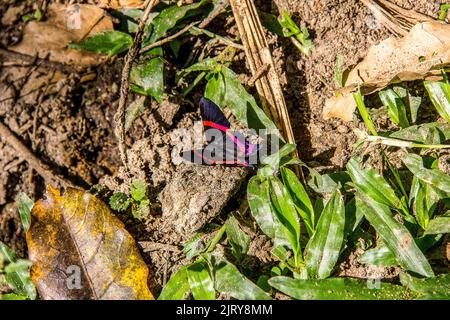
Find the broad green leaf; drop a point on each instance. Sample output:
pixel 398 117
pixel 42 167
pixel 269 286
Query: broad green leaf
pixel 353 217
pixel 438 286
pixel 138 190
pixel 208 64
pixel 327 183
pixel 193 247
pixel 395 106
pixel 339 289
pixel 438 225
pixel 382 256
pixel 286 214
pixel 215 88
pixel 147 76
pixel 434 177
pixel 429 133
pixel 12 296
pixel 170 17
pixel 177 288
pixel 425 201
pixel 229 280
pixel 258 197
pixel 271 23
pixel 238 239
pixel 200 282
pixel 274 160
pixel 241 104
pixel 109 42
pixel 300 197
pixel 440 96
pixel 322 251
pixel 17 273
pixel 373 185
pixel 25 206
pixel 395 236
pixel 119 201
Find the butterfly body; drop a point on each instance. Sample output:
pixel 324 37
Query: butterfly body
pixel 225 146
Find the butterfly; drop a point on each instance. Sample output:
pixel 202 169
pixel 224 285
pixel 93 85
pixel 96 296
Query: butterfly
pixel 224 146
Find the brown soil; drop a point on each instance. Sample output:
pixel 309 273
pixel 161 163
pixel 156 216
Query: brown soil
pixel 66 118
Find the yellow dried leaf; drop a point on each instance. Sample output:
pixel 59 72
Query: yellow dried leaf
pixel 64 24
pixel 118 4
pixel 418 55
pixel 80 250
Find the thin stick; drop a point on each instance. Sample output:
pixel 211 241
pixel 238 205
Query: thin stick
pixel 214 14
pixel 119 117
pixel 168 39
pixel 37 164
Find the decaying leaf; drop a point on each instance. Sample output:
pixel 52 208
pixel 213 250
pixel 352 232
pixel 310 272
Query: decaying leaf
pixel 80 250
pixel 418 55
pixel 64 24
pixel 119 4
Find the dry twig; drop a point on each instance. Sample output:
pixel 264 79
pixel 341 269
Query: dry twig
pixel 258 56
pixel 37 164
pixel 119 117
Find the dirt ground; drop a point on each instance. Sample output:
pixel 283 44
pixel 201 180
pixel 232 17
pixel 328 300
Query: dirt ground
pixel 66 118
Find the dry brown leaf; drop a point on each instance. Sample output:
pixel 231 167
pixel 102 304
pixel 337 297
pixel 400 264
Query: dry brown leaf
pixel 64 24
pixel 119 4
pixel 80 250
pixel 393 61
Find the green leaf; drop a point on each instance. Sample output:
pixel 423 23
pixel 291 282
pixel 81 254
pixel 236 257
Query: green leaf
pixel 271 23
pixel 238 239
pixel 429 133
pixel 215 88
pixel 17 273
pixel 200 282
pixel 382 256
pixel 286 214
pixel 274 160
pixel 339 289
pixel 305 44
pixel 395 106
pixel 327 183
pixel 338 74
pixel 300 197
pixel 193 247
pixel 438 286
pixel 119 201
pixel 440 96
pixel 364 113
pixel 394 235
pixel 109 42
pixel 258 197
pixel 147 76
pixel 208 64
pixel 25 206
pixel 12 296
pixel 177 288
pixel 322 250
pixel 425 201
pixel 170 17
pixel 134 111
pixel 369 182
pixel 138 190
pixel 434 177
pixel 241 104
pixel 229 280
pixel 438 225
pixel 141 209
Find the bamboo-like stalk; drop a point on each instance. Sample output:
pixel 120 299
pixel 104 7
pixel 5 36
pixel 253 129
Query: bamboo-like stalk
pixel 259 57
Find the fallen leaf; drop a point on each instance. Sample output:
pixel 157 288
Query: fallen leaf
pixel 119 4
pixel 418 55
pixel 80 250
pixel 64 24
